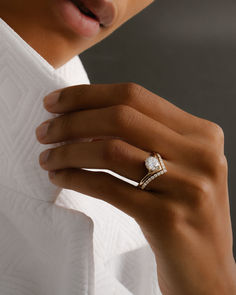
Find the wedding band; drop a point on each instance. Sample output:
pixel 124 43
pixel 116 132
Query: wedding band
pixel 155 167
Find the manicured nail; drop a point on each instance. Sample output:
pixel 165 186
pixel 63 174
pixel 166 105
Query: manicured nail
pixel 51 174
pixel 44 156
pixel 51 99
pixel 42 130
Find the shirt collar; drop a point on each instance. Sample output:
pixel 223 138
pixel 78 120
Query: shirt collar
pixel 25 78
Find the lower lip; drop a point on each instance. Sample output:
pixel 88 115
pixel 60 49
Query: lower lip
pixel 80 23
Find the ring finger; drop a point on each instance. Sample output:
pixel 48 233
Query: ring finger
pixel 112 154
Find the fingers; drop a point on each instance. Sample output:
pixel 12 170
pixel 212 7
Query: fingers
pixel 120 158
pixel 119 121
pixel 114 154
pixel 103 186
pixel 104 95
pixel 127 161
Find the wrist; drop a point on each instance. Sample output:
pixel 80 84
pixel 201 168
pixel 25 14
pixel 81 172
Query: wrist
pixel 223 282
pixel 234 280
pixel 230 283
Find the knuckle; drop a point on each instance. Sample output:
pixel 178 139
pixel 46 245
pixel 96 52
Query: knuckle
pixel 113 151
pixel 64 154
pixel 72 92
pixel 222 163
pixel 214 131
pixel 219 165
pixel 79 91
pixel 217 132
pixel 123 116
pixel 51 128
pixel 132 89
pixel 65 124
pixel 200 186
pixel 131 92
pixel 199 190
pixel 62 96
pixel 209 161
pixel 172 219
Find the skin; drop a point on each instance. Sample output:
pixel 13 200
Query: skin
pixel 184 213
pixel 40 25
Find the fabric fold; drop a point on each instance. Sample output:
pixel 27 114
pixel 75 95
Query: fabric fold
pixel 53 240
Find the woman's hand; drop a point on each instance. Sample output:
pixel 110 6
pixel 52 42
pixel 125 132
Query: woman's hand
pixel 184 213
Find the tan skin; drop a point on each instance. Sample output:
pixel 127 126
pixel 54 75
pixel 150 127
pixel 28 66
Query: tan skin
pixel 39 24
pixel 184 213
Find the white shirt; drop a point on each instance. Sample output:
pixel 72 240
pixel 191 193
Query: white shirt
pixel 56 241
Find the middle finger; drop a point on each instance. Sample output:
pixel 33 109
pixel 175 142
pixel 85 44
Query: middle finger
pixel 116 121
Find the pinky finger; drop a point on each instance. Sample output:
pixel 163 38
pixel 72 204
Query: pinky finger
pixel 104 186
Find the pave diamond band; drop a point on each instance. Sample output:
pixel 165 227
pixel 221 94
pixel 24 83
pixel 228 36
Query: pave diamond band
pixel 155 166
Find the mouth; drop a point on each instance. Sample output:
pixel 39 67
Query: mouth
pixel 87 17
pixel 83 9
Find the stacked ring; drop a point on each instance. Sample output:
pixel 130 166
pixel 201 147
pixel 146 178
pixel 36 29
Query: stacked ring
pixel 155 167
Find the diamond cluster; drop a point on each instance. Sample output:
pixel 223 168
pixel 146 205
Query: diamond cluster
pixel 152 163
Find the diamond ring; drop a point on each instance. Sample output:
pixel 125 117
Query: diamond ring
pixel 155 167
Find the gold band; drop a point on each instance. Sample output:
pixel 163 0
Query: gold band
pixel 154 160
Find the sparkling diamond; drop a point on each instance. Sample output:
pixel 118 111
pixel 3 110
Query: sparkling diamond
pixel 152 163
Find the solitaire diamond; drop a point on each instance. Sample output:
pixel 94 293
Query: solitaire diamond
pixel 152 164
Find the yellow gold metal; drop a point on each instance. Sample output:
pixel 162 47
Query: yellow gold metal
pixel 151 175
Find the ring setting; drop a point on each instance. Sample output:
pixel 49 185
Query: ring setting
pixel 155 167
pixel 152 164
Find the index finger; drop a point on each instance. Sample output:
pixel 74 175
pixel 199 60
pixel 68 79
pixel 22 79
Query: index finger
pixel 96 96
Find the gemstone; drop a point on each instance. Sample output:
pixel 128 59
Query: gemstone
pixel 152 164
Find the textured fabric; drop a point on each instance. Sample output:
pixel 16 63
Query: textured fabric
pixel 53 240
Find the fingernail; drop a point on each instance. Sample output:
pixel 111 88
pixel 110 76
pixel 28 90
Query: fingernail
pixel 42 130
pixel 51 174
pixel 44 156
pixel 51 98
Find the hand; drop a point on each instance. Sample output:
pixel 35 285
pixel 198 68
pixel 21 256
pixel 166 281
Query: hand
pixel 184 214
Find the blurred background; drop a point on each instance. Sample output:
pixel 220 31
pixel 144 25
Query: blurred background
pixel 185 51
